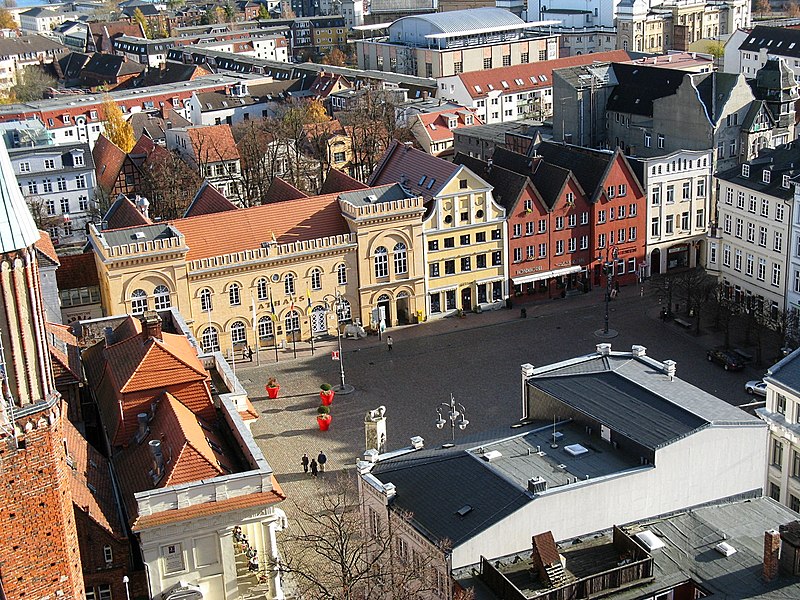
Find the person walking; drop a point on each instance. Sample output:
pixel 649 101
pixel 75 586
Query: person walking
pixel 304 462
pixel 321 460
pixel 313 468
pixel 389 343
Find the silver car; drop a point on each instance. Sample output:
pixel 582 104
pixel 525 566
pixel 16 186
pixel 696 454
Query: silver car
pixel 757 387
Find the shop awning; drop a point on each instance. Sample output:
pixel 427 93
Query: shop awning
pixel 546 275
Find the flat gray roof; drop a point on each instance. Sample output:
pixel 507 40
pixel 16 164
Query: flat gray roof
pixel 158 231
pixel 384 193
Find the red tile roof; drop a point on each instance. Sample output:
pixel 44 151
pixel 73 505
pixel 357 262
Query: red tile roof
pixel 280 191
pixel 123 213
pixel 406 165
pixel 108 159
pixel 326 83
pixel 77 270
pixel 90 468
pixel 45 245
pixel 214 142
pixel 207 201
pixel 247 228
pixel 436 124
pixel 66 356
pixel 533 76
pixel 338 181
pixel 326 128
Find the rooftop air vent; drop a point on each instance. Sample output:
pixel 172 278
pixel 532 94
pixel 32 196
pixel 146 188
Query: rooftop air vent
pixel 139 235
pixel 491 455
pixel 464 510
pixel 650 540
pixel 371 198
pixel 537 485
pixel 725 549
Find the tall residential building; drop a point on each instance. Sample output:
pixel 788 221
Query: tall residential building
pixel 38 538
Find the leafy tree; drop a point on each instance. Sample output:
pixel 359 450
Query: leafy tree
pixel 230 13
pixel 6 20
pixel 211 16
pixel 263 13
pixel 117 129
pixel 335 58
pixel 260 145
pixel 139 17
pixel 331 554
pixel 32 83
pixel 716 49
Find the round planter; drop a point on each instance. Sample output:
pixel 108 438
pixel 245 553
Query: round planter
pixel 326 397
pixel 324 421
pixel 272 392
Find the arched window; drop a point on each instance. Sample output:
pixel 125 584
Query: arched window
pixel 234 295
pixel 381 262
pixel 205 300
pixel 138 302
pixel 345 313
pixel 238 333
pixel 316 279
pixel 264 328
pixel 162 300
pixel 400 259
pixel 261 289
pixel 288 284
pixel 341 274
pixel 292 321
pixel 210 339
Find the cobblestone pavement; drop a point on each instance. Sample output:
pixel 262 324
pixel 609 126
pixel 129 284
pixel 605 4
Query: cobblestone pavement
pixel 477 358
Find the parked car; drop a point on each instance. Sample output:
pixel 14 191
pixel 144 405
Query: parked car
pixel 757 386
pixel 728 360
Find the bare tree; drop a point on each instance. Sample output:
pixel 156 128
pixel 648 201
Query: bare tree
pixel 43 213
pixel 259 147
pixel 169 184
pixel 331 554
pixel 726 308
pixel 695 287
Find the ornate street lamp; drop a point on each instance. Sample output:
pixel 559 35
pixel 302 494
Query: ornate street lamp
pixel 608 268
pixel 455 413
pixel 337 303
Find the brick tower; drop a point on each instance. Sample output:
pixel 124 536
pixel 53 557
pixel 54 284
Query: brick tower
pixel 39 555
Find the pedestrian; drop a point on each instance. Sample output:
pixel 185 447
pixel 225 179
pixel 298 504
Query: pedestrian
pixel 249 353
pixel 252 563
pixel 304 462
pixel 313 467
pixel 321 460
pixel 389 343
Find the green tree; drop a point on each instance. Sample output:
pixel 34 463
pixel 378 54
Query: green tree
pixel 230 13
pixel 6 20
pixel 32 83
pixel 139 17
pixel 716 49
pixel 263 13
pixel 117 129
pixel 210 17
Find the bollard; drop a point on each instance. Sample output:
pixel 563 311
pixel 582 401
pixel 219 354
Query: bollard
pixel 523 313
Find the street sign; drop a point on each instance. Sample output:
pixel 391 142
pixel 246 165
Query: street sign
pixel 335 355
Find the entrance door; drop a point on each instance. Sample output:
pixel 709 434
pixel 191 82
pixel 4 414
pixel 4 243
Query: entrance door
pixel 655 262
pixel 386 305
pixel 466 299
pixel 403 317
pixel 318 325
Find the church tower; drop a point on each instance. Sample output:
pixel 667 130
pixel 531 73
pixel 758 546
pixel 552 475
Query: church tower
pixel 39 555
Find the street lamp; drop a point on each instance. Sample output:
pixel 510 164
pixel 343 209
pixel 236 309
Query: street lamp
pixel 456 413
pixel 125 580
pixel 608 268
pixel 337 303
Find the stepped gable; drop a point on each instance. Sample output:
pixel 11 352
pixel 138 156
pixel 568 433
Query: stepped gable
pixel 208 200
pixel 280 191
pixel 338 181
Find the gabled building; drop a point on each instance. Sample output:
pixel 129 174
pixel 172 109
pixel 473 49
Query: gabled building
pixel 212 152
pixel 464 233
pixel 762 44
pixel 173 440
pixel 28 50
pixel 241 102
pixel 435 131
pixel 78 288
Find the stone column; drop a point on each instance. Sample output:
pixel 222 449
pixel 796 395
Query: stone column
pixel 275 588
pixel 228 560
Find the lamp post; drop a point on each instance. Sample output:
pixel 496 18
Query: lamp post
pixel 609 270
pixel 336 302
pixel 125 580
pixel 455 412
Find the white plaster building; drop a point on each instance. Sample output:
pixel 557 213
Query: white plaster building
pixel 631 440
pixel 764 43
pixel 782 415
pixel 679 205
pixel 754 204
pixel 58 183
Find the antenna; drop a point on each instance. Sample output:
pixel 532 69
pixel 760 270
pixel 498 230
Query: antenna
pixel 7 400
pixel 554 444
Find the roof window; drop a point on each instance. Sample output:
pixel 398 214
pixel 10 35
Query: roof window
pixel 431 181
pixel 478 89
pixel 504 84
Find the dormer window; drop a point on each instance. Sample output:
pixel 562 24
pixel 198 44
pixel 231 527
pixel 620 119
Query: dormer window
pixel 467 119
pixel 765 176
pixel 452 123
pixel 785 183
pixel 745 170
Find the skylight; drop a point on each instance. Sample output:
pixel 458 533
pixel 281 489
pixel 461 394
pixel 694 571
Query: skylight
pixel 430 183
pixel 491 87
pixel 504 84
pixel 478 89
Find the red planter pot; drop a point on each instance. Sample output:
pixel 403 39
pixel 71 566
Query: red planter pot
pixel 272 392
pixel 326 397
pixel 324 421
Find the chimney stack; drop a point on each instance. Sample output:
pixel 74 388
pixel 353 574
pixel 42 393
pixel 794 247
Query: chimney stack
pixel 603 349
pixel 158 460
pixel 151 325
pixel 772 550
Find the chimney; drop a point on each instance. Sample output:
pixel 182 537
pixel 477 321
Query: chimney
pixel 158 459
pixel 638 350
pixel 108 332
pixel 142 431
pixel 669 368
pixel 603 349
pixel 151 325
pixel 772 550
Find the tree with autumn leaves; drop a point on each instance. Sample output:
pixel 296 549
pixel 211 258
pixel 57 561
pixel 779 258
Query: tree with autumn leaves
pixel 117 129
